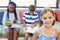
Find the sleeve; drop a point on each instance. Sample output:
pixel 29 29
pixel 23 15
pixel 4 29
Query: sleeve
pixel 18 21
pixel 4 18
pixel 24 16
pixel 37 18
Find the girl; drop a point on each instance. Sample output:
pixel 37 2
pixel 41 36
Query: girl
pixel 10 21
pixel 47 30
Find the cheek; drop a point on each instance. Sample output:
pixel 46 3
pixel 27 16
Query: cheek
pixel 52 20
pixel 43 20
pixel 10 9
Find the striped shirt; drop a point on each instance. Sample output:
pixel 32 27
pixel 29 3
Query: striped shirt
pixel 30 19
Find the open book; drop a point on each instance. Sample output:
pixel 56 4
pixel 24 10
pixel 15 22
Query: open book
pixel 31 30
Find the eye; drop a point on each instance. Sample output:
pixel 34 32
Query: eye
pixel 45 18
pixel 50 17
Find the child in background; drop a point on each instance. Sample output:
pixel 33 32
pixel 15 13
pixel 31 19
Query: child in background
pixel 47 31
pixel 30 20
pixel 11 21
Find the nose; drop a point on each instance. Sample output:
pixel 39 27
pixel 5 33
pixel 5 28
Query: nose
pixel 47 19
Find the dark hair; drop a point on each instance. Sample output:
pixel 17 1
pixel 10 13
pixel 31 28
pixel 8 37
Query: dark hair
pixel 33 7
pixel 12 3
pixel 43 12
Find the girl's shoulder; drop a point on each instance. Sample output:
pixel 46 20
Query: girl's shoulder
pixel 38 31
pixel 57 31
pixel 5 13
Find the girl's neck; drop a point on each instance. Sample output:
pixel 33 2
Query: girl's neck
pixel 48 27
pixel 11 11
pixel 31 12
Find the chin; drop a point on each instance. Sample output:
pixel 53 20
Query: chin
pixel 48 25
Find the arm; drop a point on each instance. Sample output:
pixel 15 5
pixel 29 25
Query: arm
pixel 18 21
pixel 37 19
pixel 24 22
pixel 24 19
pixel 58 35
pixel 4 18
pixel 35 35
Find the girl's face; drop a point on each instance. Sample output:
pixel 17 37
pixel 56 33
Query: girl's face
pixel 47 18
pixel 11 8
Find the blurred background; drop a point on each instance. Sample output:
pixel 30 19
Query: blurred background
pixel 22 6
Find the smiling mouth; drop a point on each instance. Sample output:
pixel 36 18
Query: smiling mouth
pixel 47 23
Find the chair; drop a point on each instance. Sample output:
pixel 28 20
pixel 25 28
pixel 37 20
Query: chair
pixel 38 12
pixel 58 15
pixel 21 17
pixel 1 17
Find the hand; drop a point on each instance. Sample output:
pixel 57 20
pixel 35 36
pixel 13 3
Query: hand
pixel 14 21
pixel 32 26
pixel 8 24
pixel 26 28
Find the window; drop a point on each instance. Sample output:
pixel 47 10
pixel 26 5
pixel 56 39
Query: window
pixel 46 3
pixel 23 2
pixel 4 2
pixel 27 3
pixel 59 3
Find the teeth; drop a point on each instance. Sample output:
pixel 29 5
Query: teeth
pixel 47 23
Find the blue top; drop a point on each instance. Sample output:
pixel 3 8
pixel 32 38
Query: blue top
pixel 43 36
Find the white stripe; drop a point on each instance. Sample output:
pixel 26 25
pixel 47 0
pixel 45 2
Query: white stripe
pixel 34 16
pixel 37 19
pixel 28 16
pixel 23 17
pixel 30 21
